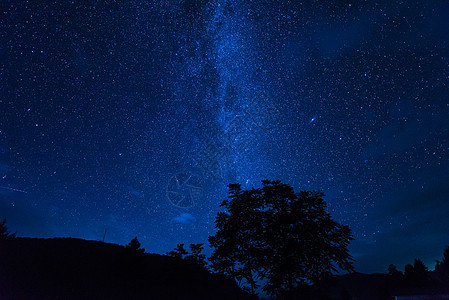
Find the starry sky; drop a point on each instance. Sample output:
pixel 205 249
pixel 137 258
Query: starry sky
pixel 129 118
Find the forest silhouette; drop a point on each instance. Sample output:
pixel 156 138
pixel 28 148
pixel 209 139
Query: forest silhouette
pixel 269 241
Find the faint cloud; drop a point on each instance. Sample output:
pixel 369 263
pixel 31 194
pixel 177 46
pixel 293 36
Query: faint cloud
pixel 134 192
pixel 184 218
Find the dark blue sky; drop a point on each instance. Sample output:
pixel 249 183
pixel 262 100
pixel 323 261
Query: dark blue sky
pixel 133 116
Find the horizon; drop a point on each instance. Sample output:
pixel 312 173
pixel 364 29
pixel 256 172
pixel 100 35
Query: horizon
pixel 207 249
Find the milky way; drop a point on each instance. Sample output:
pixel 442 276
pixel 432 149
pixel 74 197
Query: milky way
pixel 133 117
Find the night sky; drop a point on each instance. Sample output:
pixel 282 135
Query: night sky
pixel 133 116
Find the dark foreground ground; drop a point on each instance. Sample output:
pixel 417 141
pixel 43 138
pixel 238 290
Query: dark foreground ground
pixel 67 268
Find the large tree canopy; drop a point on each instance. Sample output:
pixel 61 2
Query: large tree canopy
pixel 279 236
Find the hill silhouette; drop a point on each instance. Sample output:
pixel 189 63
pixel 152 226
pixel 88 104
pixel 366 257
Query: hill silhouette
pixel 69 268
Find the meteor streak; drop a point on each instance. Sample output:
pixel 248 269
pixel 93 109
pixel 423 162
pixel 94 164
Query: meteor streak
pixel 13 189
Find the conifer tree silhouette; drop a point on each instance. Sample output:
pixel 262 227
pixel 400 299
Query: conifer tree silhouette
pixel 4 232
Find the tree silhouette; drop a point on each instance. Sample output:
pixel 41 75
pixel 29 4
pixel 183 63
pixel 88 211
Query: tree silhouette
pixel 393 271
pixel 416 275
pixel 442 267
pixel 395 276
pixel 134 246
pixel 195 256
pixel 409 272
pixel 282 237
pixel 4 232
pixel 178 252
